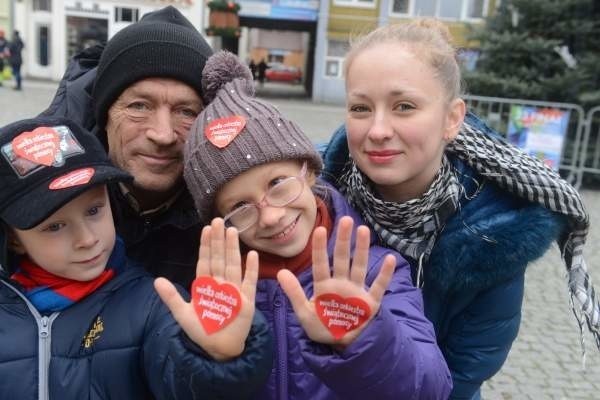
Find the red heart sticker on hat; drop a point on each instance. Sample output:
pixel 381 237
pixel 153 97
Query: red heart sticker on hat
pixel 341 315
pixel 222 131
pixel 74 178
pixel 39 146
pixel 216 304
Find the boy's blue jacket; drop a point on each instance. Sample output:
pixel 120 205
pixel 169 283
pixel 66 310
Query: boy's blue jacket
pixel 121 342
pixel 473 288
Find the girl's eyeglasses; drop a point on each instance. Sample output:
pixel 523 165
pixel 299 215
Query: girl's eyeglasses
pixel 279 195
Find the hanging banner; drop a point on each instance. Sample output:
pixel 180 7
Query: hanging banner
pixel 540 132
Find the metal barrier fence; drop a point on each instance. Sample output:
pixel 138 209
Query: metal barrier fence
pixel 590 151
pixel 495 111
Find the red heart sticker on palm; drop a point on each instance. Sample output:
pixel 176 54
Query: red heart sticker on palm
pixel 216 304
pixel 341 315
pixel 39 146
pixel 222 131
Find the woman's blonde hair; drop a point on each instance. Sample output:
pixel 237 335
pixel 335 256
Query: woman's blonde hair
pixel 427 38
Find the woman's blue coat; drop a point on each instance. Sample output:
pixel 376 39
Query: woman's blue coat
pixel 474 279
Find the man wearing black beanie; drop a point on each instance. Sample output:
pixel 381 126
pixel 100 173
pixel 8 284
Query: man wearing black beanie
pixel 140 95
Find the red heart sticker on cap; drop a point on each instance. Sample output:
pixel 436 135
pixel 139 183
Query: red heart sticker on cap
pixel 39 146
pixel 222 131
pixel 341 315
pixel 216 304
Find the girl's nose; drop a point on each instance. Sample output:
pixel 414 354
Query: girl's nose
pixel 269 216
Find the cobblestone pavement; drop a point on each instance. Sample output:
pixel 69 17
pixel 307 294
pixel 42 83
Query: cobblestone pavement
pixel 545 361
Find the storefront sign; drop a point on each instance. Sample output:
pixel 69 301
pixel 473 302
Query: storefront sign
pixel 302 10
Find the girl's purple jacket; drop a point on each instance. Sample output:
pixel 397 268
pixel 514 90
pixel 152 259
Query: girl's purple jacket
pixel 395 357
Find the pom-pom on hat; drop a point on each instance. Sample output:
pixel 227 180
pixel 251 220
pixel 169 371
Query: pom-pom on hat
pixel 236 132
pixel 163 44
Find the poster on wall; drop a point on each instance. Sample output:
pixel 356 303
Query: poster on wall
pixel 540 132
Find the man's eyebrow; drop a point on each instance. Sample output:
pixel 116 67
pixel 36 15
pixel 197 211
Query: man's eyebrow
pixel 138 93
pixel 152 96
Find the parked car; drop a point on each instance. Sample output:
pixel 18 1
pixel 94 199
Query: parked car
pixel 281 73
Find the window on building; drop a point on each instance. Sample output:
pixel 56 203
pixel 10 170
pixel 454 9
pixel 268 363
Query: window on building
pixel 42 5
pixel 476 8
pixel 400 7
pixel 334 61
pixel 425 8
pixel 450 9
pixel 355 3
pixel 43 48
pixel 333 67
pixel 458 10
pixel 125 14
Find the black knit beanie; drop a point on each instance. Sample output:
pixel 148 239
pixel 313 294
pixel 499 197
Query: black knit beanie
pixel 162 44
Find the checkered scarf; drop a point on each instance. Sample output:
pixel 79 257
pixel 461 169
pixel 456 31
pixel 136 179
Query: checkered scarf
pixel 509 168
pixel 411 227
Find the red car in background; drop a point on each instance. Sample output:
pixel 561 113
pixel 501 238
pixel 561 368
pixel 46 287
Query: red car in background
pixel 282 73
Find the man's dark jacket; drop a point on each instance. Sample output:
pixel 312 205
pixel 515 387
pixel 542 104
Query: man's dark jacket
pixel 168 240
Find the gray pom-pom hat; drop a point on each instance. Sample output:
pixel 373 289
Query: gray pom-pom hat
pixel 236 132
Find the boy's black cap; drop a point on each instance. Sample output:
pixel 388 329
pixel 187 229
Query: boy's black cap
pixel 46 162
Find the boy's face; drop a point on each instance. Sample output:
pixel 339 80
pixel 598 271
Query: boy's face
pixel 76 241
pixel 283 231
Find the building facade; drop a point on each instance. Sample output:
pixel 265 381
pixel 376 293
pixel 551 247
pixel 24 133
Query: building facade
pixel 5 17
pixel 54 30
pixel 340 20
pixel 310 35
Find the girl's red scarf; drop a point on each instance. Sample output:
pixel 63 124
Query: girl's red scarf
pixel 270 264
pixel 48 292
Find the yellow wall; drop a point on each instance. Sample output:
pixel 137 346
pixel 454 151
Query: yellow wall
pixel 345 22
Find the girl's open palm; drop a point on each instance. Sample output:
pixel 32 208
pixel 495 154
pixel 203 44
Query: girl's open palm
pixel 219 257
pixel 345 282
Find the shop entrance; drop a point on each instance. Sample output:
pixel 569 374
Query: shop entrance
pixel 288 54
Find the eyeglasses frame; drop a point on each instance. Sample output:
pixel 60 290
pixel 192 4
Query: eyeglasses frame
pixel 264 203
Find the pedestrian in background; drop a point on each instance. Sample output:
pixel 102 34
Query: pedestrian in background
pixel 253 69
pixel 4 54
pixel 468 210
pixel 16 47
pixel 262 70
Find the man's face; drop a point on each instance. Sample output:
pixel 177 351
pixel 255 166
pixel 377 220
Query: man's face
pixel 146 130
